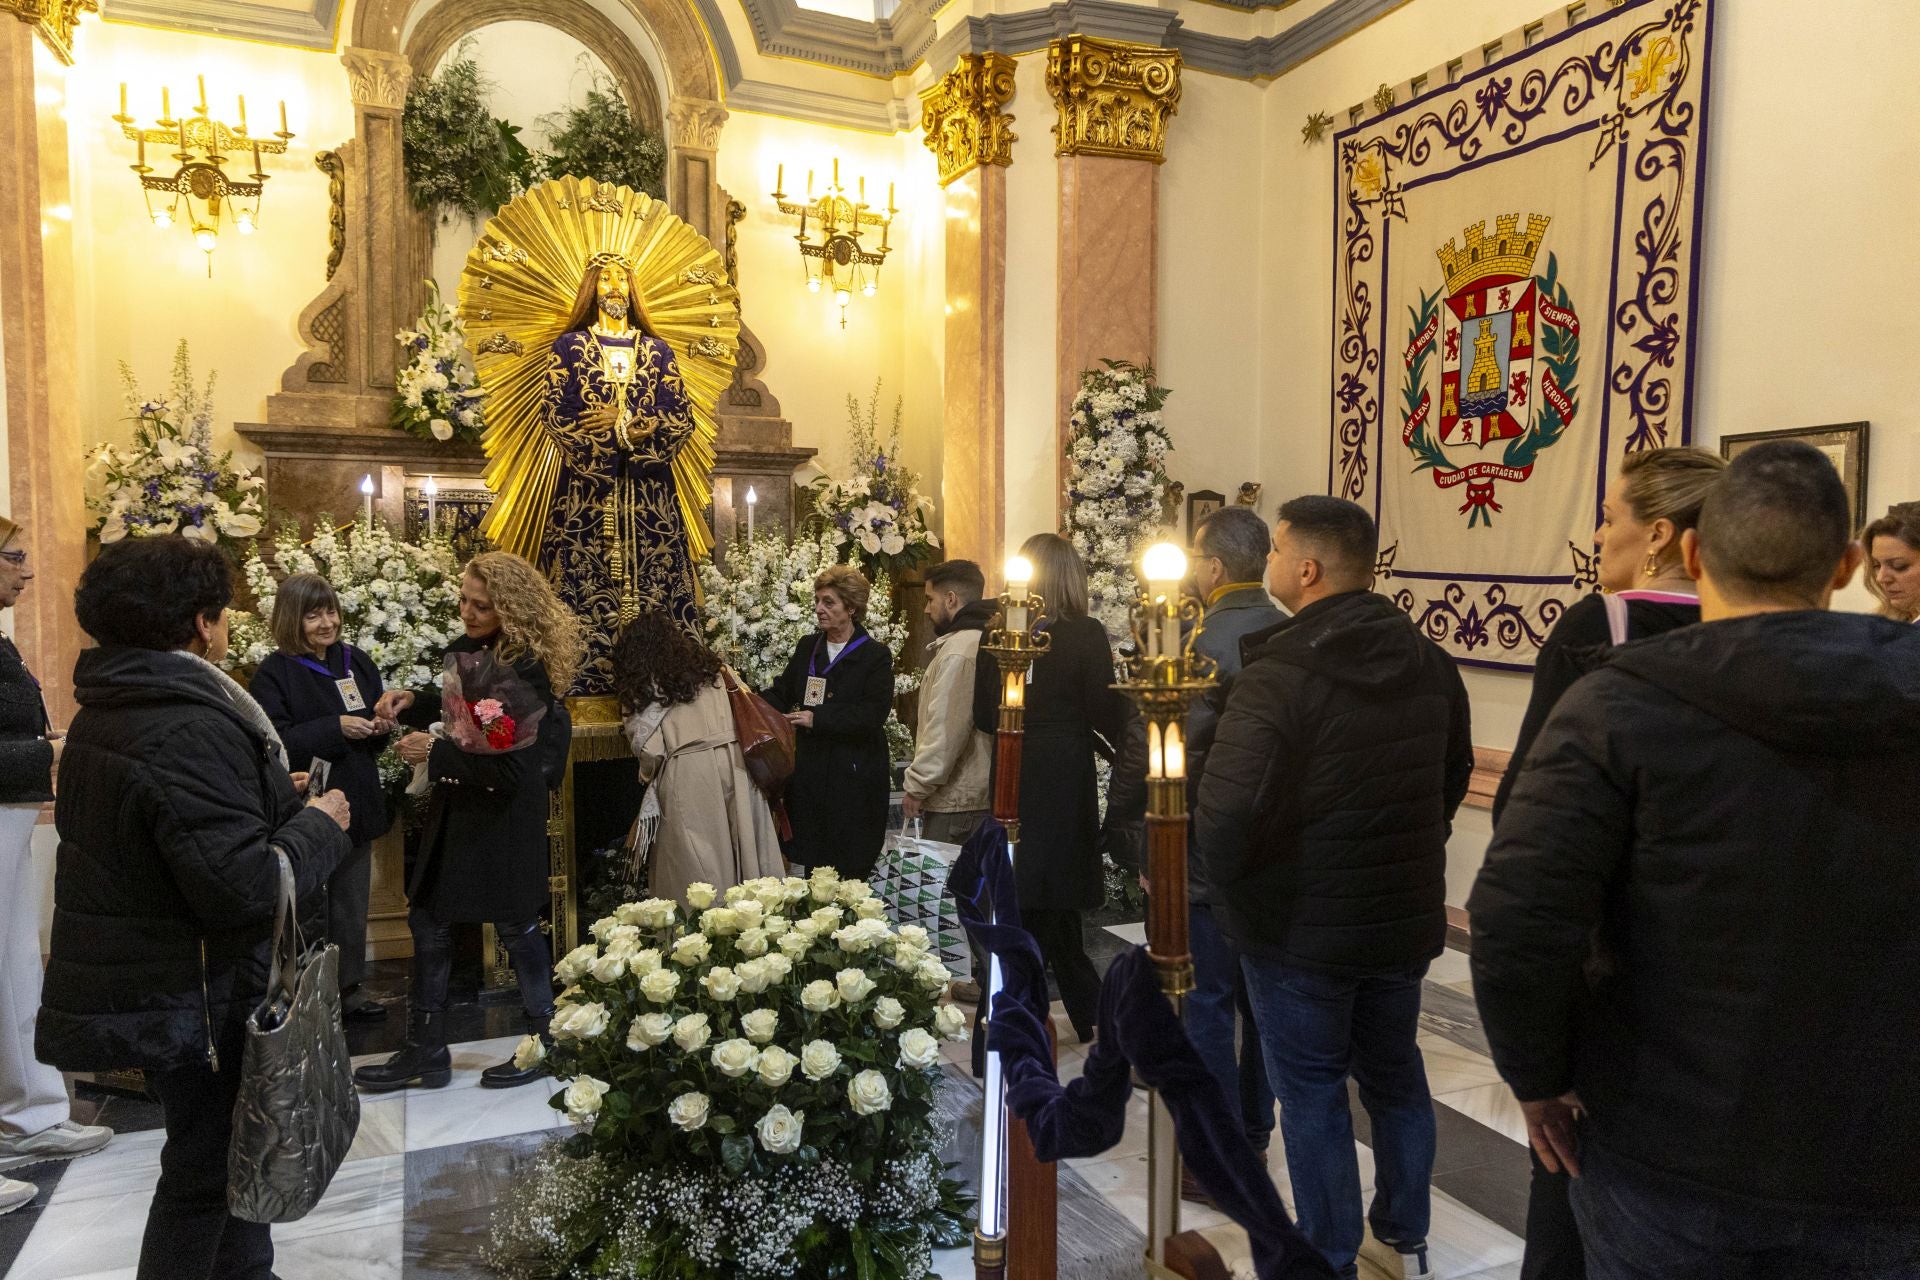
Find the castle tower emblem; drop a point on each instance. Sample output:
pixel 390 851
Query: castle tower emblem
pixel 1508 343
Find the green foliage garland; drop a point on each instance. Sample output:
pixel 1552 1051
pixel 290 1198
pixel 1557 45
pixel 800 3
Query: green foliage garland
pixel 459 159
pixel 601 140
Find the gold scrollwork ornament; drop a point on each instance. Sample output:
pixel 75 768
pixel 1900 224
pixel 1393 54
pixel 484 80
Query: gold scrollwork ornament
pixel 961 115
pixel 1115 98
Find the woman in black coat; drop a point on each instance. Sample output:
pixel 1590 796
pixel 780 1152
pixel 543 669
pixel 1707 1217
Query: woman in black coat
pixel 320 693
pixel 174 794
pixel 1073 711
pixel 837 690
pixel 483 852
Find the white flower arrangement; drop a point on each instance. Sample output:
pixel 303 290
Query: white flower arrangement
pixel 760 606
pixel 878 514
pixel 437 396
pixel 1116 481
pixel 399 603
pixel 761 1072
pixel 170 480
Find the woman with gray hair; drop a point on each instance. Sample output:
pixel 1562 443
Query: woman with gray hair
pixel 837 690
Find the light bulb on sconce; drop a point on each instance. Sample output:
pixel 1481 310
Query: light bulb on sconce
pixel 244 221
pixel 813 286
pixel 1019 577
pixel 162 219
pixel 1163 566
pixel 206 238
pixel 1164 563
pixel 1019 572
pixel 869 289
pixel 842 296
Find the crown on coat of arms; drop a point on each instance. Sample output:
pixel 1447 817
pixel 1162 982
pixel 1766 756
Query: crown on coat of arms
pixel 1509 252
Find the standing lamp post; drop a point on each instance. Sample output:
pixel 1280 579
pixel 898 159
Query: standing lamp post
pixel 1162 680
pixel 1009 1173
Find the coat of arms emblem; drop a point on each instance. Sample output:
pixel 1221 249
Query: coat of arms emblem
pixel 1509 345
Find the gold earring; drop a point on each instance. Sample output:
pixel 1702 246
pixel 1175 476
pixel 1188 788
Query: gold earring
pixel 1652 569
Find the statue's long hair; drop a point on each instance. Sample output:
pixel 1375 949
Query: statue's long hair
pixel 586 304
pixel 533 620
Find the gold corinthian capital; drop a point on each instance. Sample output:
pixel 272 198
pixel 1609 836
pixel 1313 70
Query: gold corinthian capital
pixel 961 115
pixel 1114 97
pixel 54 20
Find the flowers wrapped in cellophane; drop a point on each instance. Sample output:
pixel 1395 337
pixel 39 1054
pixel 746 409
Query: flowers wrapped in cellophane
pixel 485 707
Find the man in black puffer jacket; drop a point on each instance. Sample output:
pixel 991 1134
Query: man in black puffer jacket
pixel 1322 826
pixel 173 792
pixel 1695 922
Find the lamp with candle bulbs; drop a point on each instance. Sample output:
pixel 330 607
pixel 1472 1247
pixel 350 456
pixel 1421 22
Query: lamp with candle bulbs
pixel 838 261
pixel 200 194
pixel 1010 1175
pixel 1163 677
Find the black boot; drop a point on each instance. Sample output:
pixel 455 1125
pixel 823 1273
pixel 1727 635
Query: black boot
pixel 508 1074
pixel 423 1061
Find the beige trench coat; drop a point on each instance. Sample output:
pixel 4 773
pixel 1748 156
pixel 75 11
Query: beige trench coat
pixel 714 823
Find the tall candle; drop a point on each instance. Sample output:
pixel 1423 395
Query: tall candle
pixel 283 115
pixel 890 198
pixel 366 498
pixel 780 180
pixel 166 105
pixel 1156 756
pixel 753 500
pixel 1176 752
pixel 143 151
pixel 1015 689
pixel 183 133
pixel 203 94
pixel 243 116
pixel 433 494
pixel 123 97
pixel 257 170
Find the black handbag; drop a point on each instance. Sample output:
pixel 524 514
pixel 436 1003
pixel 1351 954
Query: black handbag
pixel 297 1111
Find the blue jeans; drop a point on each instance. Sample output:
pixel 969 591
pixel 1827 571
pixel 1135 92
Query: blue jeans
pixel 1219 989
pixel 1639 1225
pixel 1316 1031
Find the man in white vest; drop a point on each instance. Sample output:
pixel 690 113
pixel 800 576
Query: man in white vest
pixel 947 782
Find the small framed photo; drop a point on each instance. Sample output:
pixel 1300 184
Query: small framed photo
pixel 1844 443
pixel 1202 503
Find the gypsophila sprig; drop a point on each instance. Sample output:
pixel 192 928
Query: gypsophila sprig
pixel 1116 481
pixel 758 607
pixel 170 480
pixel 731 1083
pixel 437 395
pixel 877 516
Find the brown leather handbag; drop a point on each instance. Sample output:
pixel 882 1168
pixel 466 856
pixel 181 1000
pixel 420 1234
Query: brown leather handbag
pixel 766 738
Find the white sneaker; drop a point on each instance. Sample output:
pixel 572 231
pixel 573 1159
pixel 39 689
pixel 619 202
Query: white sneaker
pixel 16 1195
pixel 65 1141
pixel 1414 1264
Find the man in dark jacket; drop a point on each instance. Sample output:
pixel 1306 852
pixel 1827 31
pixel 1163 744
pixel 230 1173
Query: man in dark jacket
pixel 1228 561
pixel 174 796
pixel 1693 939
pixel 1322 827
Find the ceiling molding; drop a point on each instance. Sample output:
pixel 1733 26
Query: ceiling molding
pixel 314 27
pixel 887 48
pixel 893 116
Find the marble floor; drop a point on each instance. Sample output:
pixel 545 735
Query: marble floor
pixel 402 1207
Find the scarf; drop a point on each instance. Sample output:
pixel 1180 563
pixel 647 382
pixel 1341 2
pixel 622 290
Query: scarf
pixel 640 727
pixel 250 711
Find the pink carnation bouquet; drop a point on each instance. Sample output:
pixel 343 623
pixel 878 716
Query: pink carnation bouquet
pixel 486 707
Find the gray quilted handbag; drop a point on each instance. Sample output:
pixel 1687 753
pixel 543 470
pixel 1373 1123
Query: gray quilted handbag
pixel 297 1111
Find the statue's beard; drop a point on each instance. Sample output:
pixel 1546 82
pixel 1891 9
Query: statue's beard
pixel 614 308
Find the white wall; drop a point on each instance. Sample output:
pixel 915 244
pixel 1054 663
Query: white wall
pixel 1810 182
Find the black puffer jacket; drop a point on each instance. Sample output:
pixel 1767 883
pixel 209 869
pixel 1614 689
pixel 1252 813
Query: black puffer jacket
pixel 165 888
pixel 1330 790
pixel 26 757
pixel 1730 811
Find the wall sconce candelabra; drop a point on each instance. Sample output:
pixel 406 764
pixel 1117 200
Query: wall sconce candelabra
pixel 1163 678
pixel 837 261
pixel 199 192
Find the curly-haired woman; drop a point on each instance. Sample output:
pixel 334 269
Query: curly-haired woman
pixel 1893 561
pixel 837 690
pixel 703 819
pixel 483 852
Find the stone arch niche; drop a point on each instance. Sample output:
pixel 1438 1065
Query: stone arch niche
pixel 327 426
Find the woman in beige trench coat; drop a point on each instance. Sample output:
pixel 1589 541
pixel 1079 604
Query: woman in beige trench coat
pixel 702 819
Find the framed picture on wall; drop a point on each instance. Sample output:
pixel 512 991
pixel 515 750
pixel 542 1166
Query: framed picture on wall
pixel 1844 443
pixel 1202 503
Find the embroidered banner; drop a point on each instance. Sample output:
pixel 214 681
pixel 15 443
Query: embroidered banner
pixel 1515 289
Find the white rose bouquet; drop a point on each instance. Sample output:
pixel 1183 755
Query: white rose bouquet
pixel 877 516
pixel 766 1110
pixel 1116 481
pixel 437 395
pixel 170 480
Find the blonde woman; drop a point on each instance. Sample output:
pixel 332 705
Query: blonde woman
pixel 483 852
pixel 1893 561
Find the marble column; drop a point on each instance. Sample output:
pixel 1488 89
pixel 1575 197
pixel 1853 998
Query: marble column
pixel 972 138
pixel 46 458
pixel 1114 101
